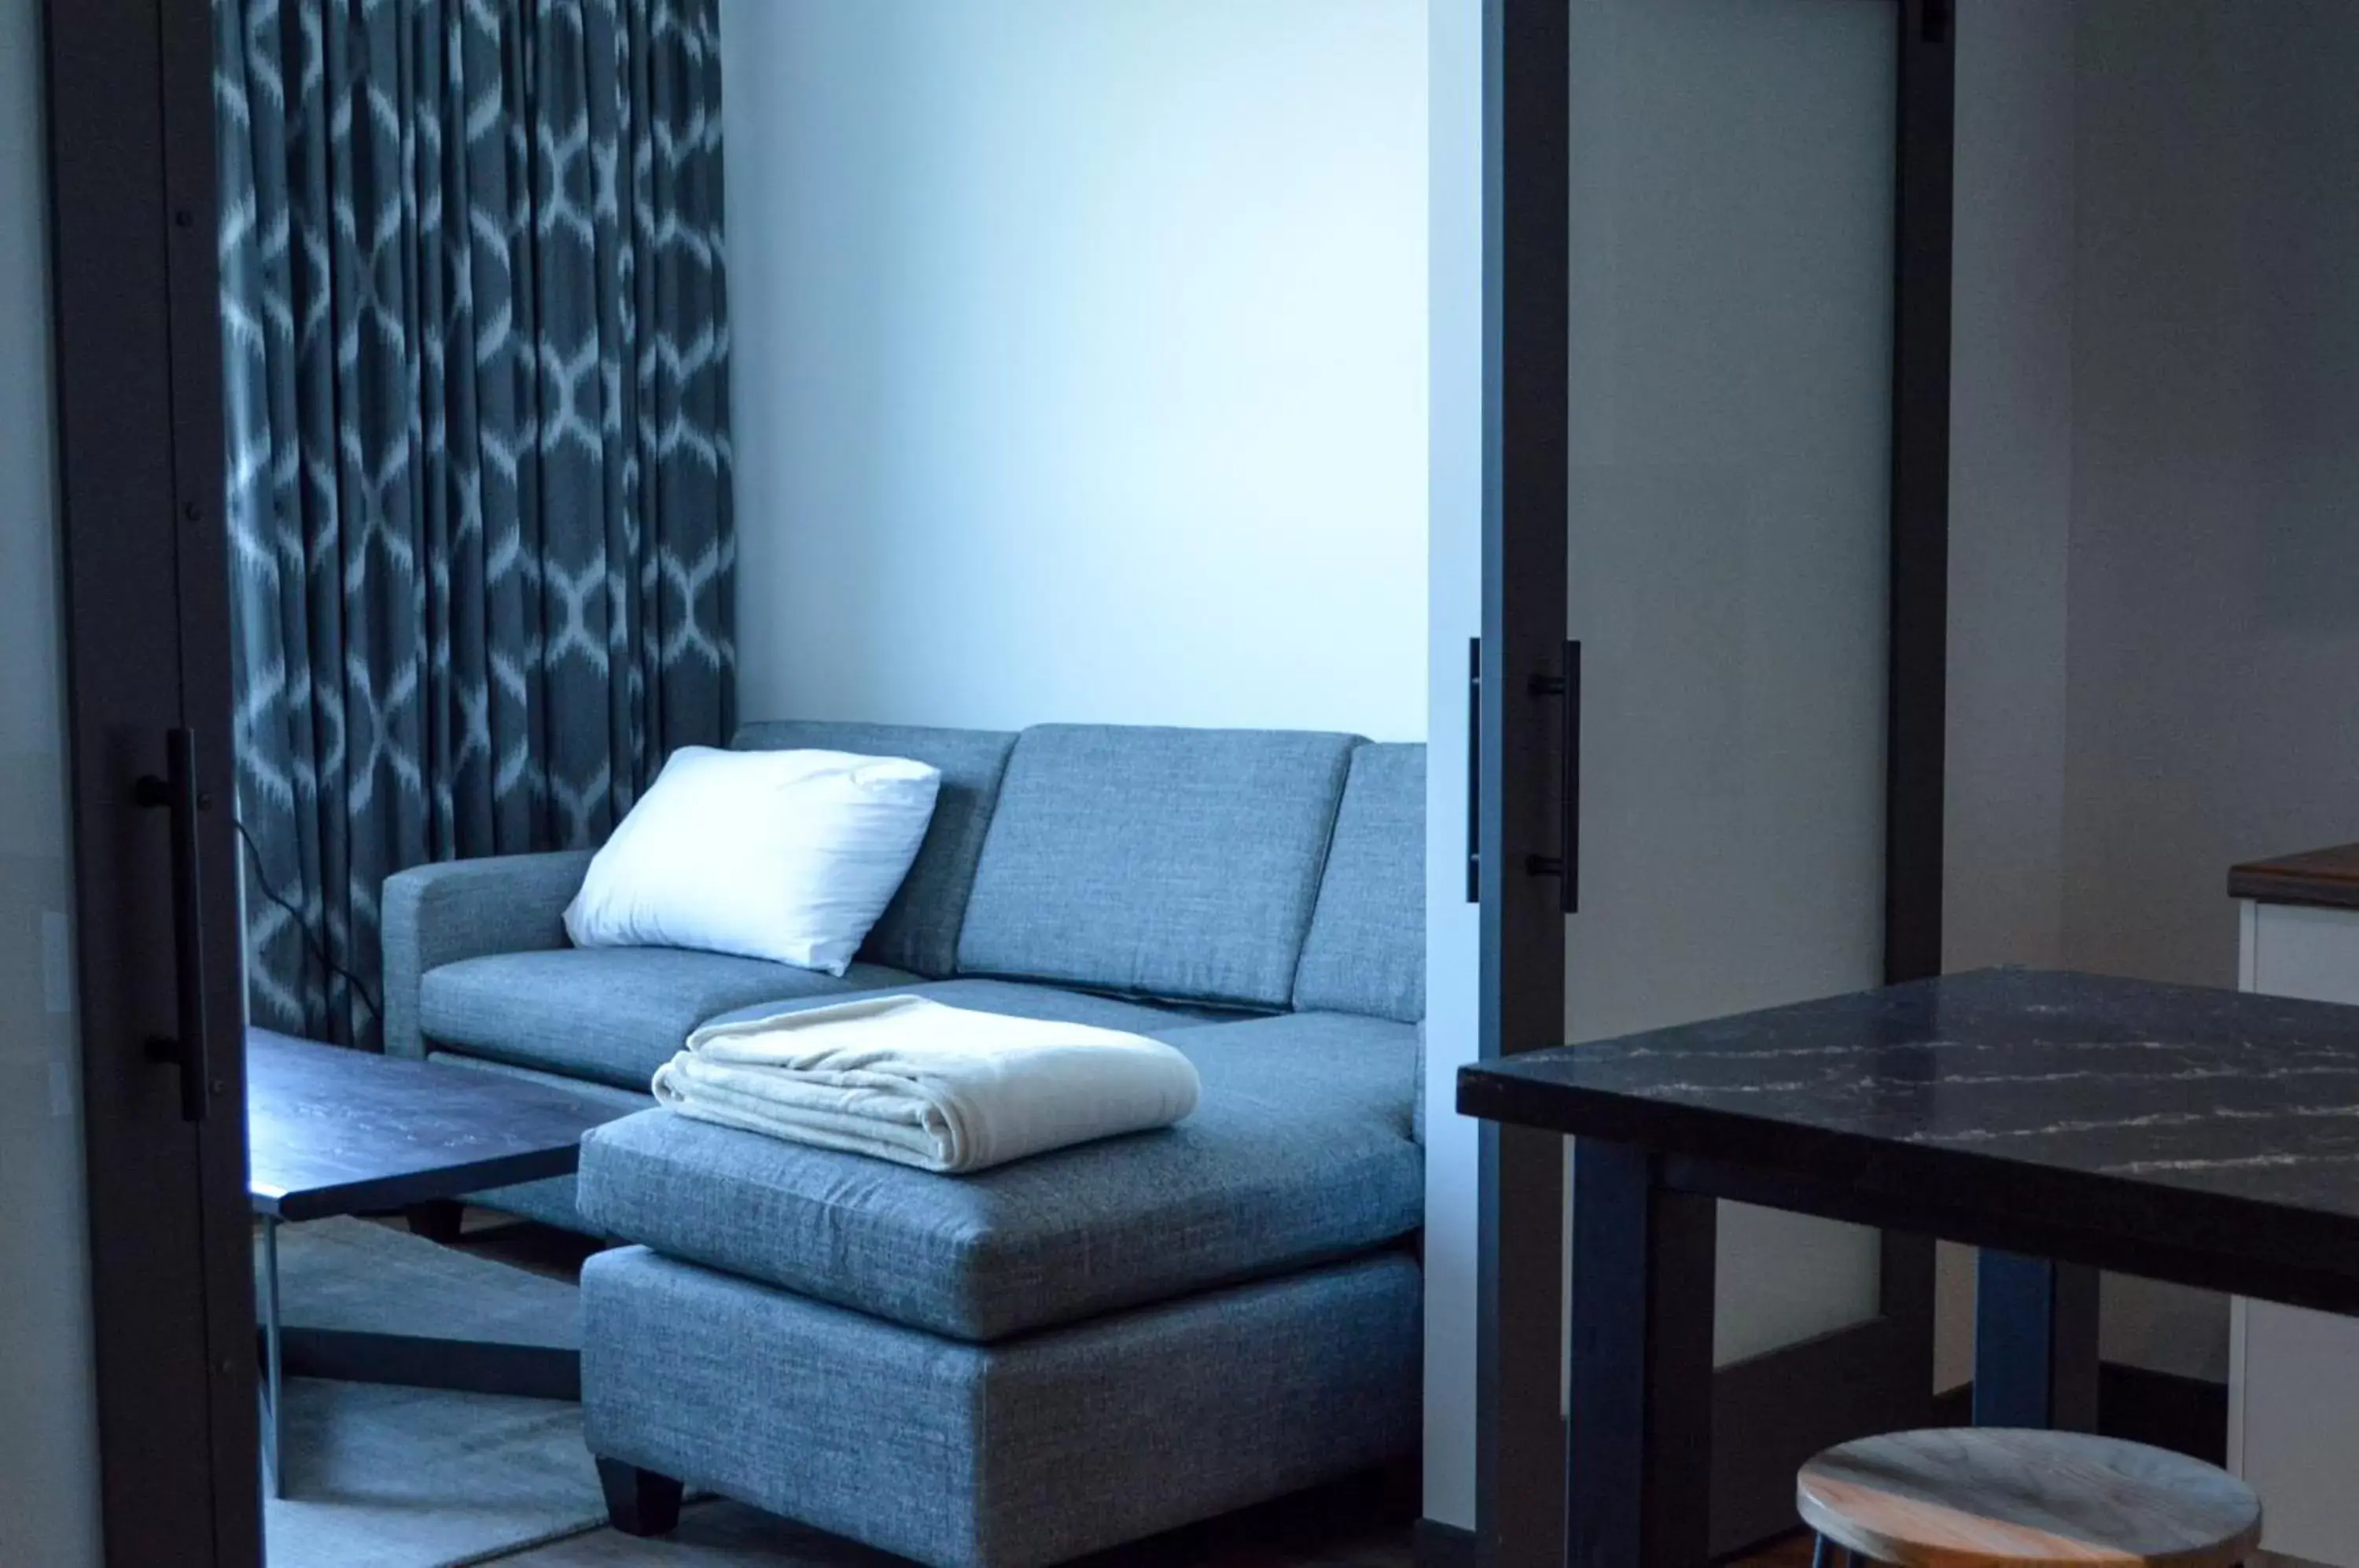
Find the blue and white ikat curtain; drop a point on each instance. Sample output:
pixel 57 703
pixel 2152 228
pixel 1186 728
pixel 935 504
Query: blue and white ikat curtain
pixel 477 352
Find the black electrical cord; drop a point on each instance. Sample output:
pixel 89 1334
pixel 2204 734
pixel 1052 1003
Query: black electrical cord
pixel 318 949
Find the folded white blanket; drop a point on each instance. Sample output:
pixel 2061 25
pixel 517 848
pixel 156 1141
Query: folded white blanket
pixel 938 1087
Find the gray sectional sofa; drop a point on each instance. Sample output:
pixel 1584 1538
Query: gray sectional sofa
pixel 1057 1355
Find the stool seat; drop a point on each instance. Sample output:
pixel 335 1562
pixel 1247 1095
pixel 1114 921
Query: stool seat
pixel 1993 1497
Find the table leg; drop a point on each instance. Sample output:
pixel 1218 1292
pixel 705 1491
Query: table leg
pixel 519 1369
pixel 1638 1430
pixel 464 1365
pixel 272 1360
pixel 2035 1343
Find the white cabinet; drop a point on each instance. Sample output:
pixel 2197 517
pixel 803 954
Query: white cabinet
pixel 2293 1376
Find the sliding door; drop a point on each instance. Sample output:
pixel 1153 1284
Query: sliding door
pixel 1726 746
pixel 144 618
pixel 49 1429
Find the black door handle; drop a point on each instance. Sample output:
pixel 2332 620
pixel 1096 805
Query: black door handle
pixel 1474 771
pixel 177 792
pixel 1565 866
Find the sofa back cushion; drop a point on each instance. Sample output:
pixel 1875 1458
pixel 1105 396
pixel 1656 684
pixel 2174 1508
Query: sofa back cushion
pixel 1366 953
pixel 1167 863
pixel 919 930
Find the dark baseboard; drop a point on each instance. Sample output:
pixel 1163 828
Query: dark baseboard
pixel 1443 1545
pixel 2186 1415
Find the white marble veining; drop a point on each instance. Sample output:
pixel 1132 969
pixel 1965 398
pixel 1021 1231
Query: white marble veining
pixel 2245 1095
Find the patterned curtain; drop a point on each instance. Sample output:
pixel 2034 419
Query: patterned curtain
pixel 476 347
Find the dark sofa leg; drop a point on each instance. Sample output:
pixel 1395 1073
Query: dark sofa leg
pixel 438 1219
pixel 639 1502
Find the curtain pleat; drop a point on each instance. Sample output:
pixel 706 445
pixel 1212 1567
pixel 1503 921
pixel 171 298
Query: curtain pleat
pixel 476 360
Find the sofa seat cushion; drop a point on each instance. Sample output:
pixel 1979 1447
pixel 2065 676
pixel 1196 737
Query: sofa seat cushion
pixel 1300 1151
pixel 1168 863
pixel 1053 1003
pixel 612 1014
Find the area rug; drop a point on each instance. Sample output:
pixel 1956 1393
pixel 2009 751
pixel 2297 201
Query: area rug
pixel 390 1477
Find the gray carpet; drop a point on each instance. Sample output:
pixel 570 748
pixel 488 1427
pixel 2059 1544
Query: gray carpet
pixel 387 1477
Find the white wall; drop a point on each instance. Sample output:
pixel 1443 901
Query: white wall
pixel 48 1481
pixel 2158 346
pixel 2214 576
pixel 2215 546
pixel 1079 360
pixel 1454 604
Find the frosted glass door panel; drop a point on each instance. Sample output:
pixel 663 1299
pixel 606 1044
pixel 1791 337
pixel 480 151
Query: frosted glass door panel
pixel 49 1446
pixel 1731 443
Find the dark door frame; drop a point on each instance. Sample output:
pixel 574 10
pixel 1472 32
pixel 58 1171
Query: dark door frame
pixel 134 227
pixel 1771 1411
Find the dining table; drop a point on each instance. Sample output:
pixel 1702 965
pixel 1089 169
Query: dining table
pixel 2062 1123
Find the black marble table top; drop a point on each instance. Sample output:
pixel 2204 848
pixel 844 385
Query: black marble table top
pixel 331 1131
pixel 2198 1129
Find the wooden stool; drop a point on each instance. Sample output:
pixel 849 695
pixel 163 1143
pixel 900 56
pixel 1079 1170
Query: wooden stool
pixel 1989 1497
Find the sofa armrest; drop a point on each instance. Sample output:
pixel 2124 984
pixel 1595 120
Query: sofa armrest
pixel 434 915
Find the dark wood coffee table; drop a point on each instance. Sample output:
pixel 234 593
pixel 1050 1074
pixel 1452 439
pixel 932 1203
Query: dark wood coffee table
pixel 331 1131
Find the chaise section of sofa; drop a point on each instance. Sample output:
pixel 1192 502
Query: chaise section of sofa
pixel 1300 1153
pixel 1000 1456
pixel 1228 1304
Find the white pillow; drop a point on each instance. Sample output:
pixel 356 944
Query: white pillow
pixel 788 856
